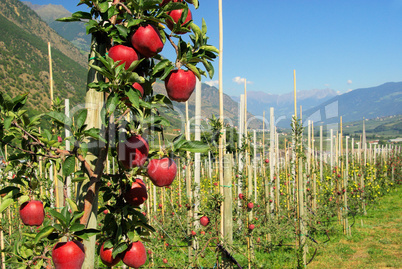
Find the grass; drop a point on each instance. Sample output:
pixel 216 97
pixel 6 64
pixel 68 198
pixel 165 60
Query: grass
pixel 376 240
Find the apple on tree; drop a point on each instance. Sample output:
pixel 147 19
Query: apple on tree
pixel 204 221
pixel 126 55
pixel 162 172
pixel 137 194
pixel 147 41
pixel 32 213
pixel 133 152
pixel 107 257
pixel 176 15
pixel 68 255
pixel 135 255
pixel 180 84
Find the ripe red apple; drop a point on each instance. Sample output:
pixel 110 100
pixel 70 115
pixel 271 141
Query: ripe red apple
pixel 32 213
pixel 135 255
pixel 139 87
pixel 251 227
pixel 137 194
pixel 162 171
pixel 204 221
pixel 165 260
pixel 180 84
pixel 176 15
pixel 202 232
pixel 126 55
pixel 266 161
pixel 147 40
pixel 250 205
pixel 241 196
pixel 68 255
pixel 107 258
pixel 133 152
pixel 193 233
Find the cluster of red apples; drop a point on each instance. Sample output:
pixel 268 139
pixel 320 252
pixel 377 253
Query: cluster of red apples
pixel 146 42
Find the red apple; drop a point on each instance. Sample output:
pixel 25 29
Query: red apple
pixel 147 40
pixel 180 84
pixel 126 55
pixel 266 161
pixel 139 87
pixel 133 152
pixel 202 232
pixel 251 227
pixel 176 15
pixel 204 221
pixel 32 213
pixel 68 255
pixel 165 260
pixel 193 233
pixel 241 196
pixel 107 258
pixel 137 194
pixel 250 205
pixel 162 171
pixel 135 255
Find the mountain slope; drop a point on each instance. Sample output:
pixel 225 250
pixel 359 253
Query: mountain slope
pixel 283 104
pixel 23 17
pixel 24 66
pixel 74 32
pixel 379 101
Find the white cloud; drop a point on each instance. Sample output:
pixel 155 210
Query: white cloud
pixel 212 83
pixel 349 81
pixel 240 80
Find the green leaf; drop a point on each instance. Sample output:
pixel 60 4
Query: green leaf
pixel 76 215
pixel 61 118
pixel 123 31
pixel 5 203
pixel 81 118
pixel 194 146
pixel 111 103
pixel 161 66
pixel 94 133
pixel 45 232
pixel 209 48
pixel 68 19
pixel 76 227
pixel 121 247
pixel 195 70
pixel 134 97
pixel 82 15
pixel 7 122
pixel 69 166
pixel 86 233
pixel 63 221
pixel 72 204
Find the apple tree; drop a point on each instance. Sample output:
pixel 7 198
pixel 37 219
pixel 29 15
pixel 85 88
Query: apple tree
pixel 126 59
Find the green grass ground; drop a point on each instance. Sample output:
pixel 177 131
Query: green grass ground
pixel 376 240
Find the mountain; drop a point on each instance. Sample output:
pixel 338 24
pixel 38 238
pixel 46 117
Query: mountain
pixel 24 66
pixel 380 101
pixel 258 102
pixel 74 32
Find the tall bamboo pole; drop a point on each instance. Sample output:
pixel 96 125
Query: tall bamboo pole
pixel 197 156
pixel 221 106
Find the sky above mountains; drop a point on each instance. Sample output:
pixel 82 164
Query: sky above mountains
pixel 339 45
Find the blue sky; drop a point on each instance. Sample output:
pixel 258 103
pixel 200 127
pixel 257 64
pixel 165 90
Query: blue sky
pixel 341 45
